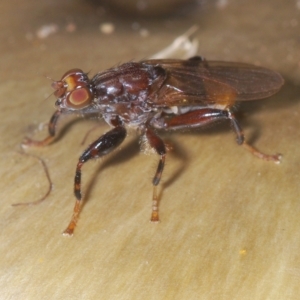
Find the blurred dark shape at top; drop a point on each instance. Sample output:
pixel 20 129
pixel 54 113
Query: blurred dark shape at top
pixel 147 8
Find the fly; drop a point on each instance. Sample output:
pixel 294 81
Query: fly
pixel 154 95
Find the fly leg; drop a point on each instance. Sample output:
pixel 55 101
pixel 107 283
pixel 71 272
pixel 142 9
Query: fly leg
pixel 51 129
pixel 157 143
pixel 102 146
pixel 241 141
pixel 205 116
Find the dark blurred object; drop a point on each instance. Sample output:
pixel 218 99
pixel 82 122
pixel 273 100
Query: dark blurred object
pixel 147 8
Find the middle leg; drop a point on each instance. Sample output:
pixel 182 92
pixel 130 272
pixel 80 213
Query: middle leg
pixel 156 143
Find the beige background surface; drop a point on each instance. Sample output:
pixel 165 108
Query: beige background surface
pixel 230 226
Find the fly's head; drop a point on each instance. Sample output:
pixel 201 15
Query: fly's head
pixel 73 91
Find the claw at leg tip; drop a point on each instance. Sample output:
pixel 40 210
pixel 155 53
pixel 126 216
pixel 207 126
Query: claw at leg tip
pixel 68 232
pixel 278 158
pixel 154 218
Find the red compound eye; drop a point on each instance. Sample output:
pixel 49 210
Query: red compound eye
pixel 79 98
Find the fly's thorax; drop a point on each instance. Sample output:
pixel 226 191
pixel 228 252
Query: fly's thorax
pixel 131 114
pixel 125 83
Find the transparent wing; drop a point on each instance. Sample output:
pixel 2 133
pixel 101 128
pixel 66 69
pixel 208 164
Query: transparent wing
pixel 196 81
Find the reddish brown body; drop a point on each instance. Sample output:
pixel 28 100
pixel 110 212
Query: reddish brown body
pixel 158 95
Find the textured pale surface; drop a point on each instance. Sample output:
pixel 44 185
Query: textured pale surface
pixel 230 226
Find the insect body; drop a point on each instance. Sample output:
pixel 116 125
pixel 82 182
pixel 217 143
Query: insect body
pixel 154 95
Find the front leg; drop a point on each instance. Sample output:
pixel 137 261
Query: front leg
pixel 51 129
pixel 102 146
